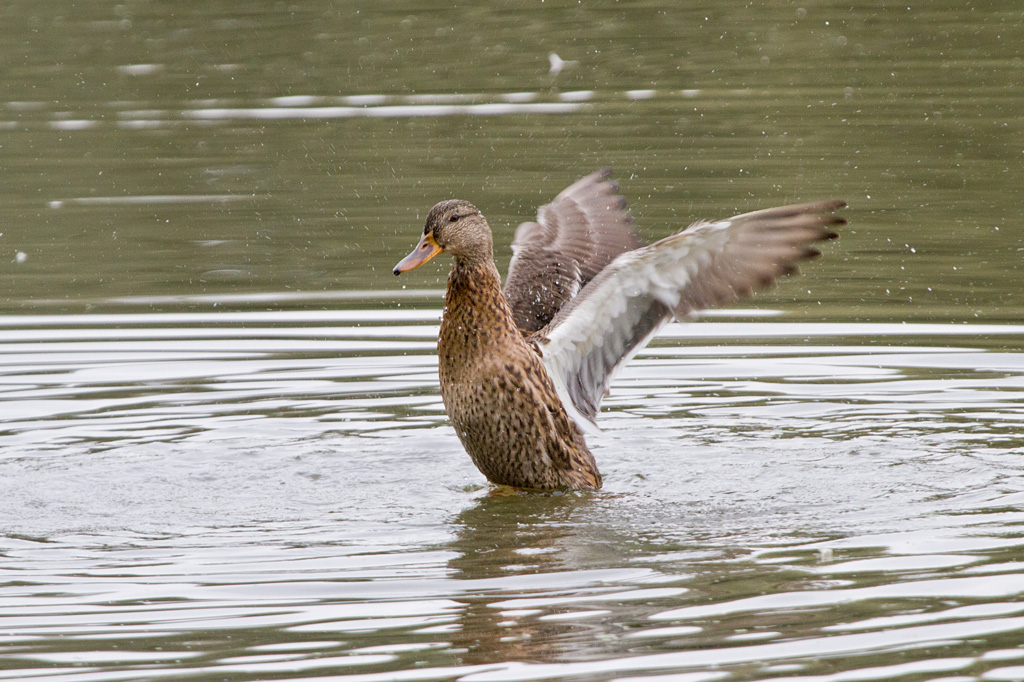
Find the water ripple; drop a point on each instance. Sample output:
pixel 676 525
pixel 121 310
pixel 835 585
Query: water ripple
pixel 160 471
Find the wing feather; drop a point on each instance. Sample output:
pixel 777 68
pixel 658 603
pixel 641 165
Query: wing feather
pixel 708 264
pixel 582 230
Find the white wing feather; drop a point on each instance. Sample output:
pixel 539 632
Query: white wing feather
pixel 707 264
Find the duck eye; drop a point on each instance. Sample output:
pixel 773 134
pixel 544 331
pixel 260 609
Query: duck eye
pixel 454 217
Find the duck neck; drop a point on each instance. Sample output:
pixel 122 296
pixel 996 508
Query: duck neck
pixel 476 313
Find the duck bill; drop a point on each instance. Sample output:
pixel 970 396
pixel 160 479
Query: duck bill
pixel 424 251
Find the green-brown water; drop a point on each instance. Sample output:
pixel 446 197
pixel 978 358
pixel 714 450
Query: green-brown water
pixel 222 451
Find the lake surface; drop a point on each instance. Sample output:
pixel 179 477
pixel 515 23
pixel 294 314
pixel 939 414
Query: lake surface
pixel 223 454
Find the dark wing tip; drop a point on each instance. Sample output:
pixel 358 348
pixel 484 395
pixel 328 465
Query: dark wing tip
pixel 828 220
pixel 832 205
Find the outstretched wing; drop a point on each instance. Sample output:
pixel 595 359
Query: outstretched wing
pixel 706 265
pixel 574 238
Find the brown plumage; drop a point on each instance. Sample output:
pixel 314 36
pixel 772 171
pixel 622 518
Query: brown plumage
pixel 575 236
pixel 523 370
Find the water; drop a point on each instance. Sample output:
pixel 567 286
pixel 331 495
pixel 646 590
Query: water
pixel 223 455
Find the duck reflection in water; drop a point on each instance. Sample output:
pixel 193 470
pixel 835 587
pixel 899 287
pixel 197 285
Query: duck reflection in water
pixel 510 546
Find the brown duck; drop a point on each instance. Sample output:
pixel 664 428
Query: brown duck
pixel 524 369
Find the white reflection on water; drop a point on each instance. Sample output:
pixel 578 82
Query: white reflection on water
pixel 128 374
pixel 383 111
pixel 316 107
pixel 284 487
pixel 153 200
pixel 146 376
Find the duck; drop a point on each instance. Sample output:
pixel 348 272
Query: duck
pixel 523 367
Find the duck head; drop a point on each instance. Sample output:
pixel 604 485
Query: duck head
pixel 456 227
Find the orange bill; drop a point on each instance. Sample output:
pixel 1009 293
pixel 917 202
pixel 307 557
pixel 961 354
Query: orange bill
pixel 424 251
